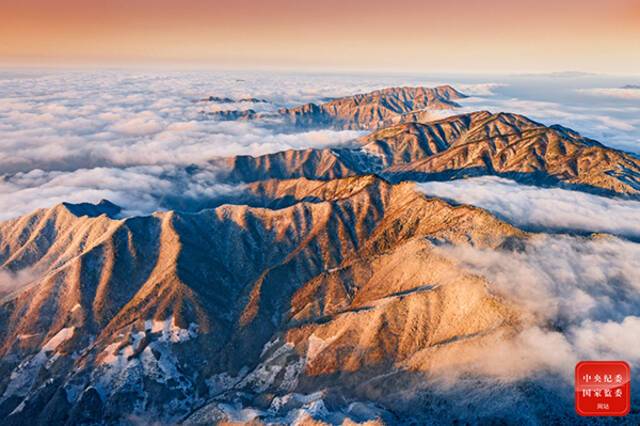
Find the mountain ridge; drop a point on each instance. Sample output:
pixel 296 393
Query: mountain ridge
pixel 363 111
pixel 472 144
pixel 375 109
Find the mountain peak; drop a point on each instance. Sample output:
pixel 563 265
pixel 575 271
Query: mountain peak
pixel 375 109
pixel 105 207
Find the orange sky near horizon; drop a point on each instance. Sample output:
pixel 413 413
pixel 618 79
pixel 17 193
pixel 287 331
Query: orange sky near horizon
pixel 400 35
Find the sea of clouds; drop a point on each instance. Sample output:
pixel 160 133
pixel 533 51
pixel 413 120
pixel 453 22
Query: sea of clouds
pixel 543 209
pixel 127 136
pixel 583 287
pixel 584 295
pixel 581 291
pixel 83 136
pixel 72 121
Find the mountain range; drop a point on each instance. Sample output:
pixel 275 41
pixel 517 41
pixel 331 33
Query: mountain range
pixel 376 109
pixel 474 144
pixel 365 111
pixel 320 295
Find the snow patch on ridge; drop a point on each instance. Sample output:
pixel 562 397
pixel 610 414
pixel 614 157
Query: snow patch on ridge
pixel 170 331
pixel 222 382
pixel 25 374
pixel 283 361
pixel 315 346
pixel 290 409
pixel 60 337
pixel 130 369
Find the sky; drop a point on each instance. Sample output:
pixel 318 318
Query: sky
pixel 372 35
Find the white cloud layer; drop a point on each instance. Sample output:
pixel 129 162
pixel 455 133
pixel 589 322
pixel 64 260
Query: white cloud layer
pixel 139 190
pixel 10 281
pixel 543 208
pixel 113 122
pixel 584 295
pixel 612 92
pixel 479 89
pixel 72 121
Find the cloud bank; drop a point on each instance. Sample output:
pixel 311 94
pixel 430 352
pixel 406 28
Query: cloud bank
pixel 584 295
pixel 73 120
pixel 11 281
pixel 621 93
pixel 581 294
pixel 129 137
pixel 479 89
pixel 542 208
pixel 140 190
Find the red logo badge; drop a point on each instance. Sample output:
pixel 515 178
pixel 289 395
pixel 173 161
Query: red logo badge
pixel 603 388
